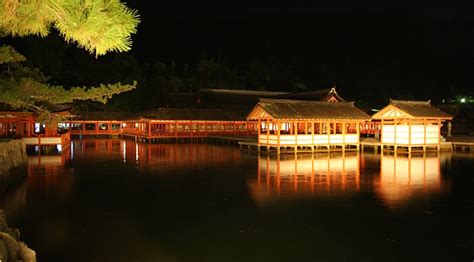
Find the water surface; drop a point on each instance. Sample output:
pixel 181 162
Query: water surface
pixel 117 200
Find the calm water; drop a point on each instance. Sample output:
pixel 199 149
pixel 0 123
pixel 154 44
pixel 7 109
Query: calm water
pixel 115 200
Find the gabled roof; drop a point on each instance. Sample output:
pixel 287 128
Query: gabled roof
pixel 326 95
pixel 399 109
pixel 195 114
pixel 285 109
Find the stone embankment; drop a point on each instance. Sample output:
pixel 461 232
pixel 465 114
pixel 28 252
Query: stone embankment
pixel 13 161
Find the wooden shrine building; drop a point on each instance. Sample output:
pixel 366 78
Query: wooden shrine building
pixel 284 123
pixel 24 125
pixel 176 123
pixel 411 124
pixel 99 123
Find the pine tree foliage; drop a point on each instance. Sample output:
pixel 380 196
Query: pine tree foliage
pixel 26 88
pixel 99 26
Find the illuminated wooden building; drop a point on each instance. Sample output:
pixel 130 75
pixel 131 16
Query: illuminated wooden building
pixel 286 123
pixel 99 123
pixel 411 124
pixel 14 124
pixel 173 123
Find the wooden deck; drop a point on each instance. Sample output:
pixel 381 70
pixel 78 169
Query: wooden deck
pixel 465 143
pixel 462 143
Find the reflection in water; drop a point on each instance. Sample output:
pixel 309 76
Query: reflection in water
pixel 400 180
pixel 406 178
pixel 297 177
pixel 46 177
pixel 153 157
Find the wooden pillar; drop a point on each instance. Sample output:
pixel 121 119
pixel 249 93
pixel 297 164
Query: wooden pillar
pixel 381 136
pixel 259 128
pixel 175 129
pixel 328 131
pixel 344 127
pixel 267 127
pixel 439 134
pixel 312 136
pixel 296 136
pixel 424 134
pixel 149 128
pixel 409 135
pixel 278 125
pixel 358 135
pixel 395 134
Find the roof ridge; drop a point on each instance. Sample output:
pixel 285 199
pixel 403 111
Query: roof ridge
pixel 392 101
pixel 296 101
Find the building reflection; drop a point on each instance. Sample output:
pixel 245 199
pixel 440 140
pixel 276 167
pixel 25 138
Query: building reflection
pixel 300 177
pixel 407 178
pixel 395 180
pixel 153 156
pixel 46 177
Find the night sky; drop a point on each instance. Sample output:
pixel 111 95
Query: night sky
pixel 367 50
pixel 419 49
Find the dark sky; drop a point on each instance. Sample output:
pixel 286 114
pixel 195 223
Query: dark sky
pixel 182 30
pixel 417 44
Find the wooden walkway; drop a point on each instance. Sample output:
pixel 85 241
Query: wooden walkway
pixel 465 143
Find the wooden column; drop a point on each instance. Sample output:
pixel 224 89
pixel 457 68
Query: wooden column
pixel 409 135
pixel 439 134
pixel 175 129
pixel 191 129
pixel 296 136
pixel 358 133
pixel 395 134
pixel 278 134
pixel 381 136
pixel 278 125
pixel 424 134
pixel 344 127
pixel 259 128
pixel 268 134
pixel 312 134
pixel 328 131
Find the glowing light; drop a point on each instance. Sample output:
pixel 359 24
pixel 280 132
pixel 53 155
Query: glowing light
pixel 59 148
pixel 463 100
pixel 136 124
pixel 136 151
pixel 124 125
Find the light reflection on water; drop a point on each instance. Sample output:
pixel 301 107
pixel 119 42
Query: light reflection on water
pixel 187 202
pixel 296 177
pixel 399 179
